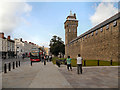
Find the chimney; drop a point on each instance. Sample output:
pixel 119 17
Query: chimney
pixel 20 39
pixel 8 37
pixel 1 35
pixel 75 15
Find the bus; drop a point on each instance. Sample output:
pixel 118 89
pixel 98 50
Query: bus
pixel 35 55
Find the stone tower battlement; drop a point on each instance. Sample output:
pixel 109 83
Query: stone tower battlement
pixel 70 26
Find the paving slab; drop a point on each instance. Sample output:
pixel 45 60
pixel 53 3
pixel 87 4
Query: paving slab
pixel 49 77
pixel 92 77
pixel 36 76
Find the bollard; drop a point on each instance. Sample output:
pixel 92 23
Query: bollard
pixel 9 66
pixel 31 63
pixel 84 63
pixel 98 62
pixel 19 63
pixel 13 65
pixel 16 64
pixel 5 68
pixel 110 62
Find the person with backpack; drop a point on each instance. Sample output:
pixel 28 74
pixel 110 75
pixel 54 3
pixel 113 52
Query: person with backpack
pixel 69 63
pixel 79 64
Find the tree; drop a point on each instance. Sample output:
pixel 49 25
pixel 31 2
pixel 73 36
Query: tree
pixel 57 46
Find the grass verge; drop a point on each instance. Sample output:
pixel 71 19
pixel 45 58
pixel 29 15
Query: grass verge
pixel 89 62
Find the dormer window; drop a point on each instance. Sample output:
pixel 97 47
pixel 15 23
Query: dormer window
pixel 107 27
pixel 101 29
pixel 115 23
pixel 96 32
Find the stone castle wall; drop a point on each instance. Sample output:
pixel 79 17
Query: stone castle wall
pixel 102 45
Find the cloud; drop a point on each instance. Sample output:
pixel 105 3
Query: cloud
pixel 102 12
pixel 11 15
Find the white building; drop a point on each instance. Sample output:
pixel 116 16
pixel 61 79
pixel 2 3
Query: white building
pixel 10 48
pixel 19 47
pixel 6 47
pixel 3 46
pixel 23 47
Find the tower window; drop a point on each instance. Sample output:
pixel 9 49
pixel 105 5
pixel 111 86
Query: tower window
pixel 69 30
pixel 92 33
pixel 101 29
pixel 96 32
pixel 115 23
pixel 83 38
pixel 88 35
pixel 74 31
pixel 107 27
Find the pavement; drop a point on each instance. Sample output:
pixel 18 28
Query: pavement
pixel 6 61
pixel 36 76
pixel 51 76
pixel 3 61
pixel 92 77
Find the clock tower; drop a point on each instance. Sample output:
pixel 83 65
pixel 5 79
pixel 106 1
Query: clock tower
pixel 70 26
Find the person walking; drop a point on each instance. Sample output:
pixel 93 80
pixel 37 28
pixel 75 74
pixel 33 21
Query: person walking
pixel 69 63
pixel 79 64
pixel 45 60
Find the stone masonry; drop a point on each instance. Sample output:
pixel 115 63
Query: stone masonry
pixel 101 42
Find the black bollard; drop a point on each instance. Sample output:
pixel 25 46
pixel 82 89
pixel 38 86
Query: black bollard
pixel 13 65
pixel 110 62
pixel 9 66
pixel 84 63
pixel 16 64
pixel 19 63
pixel 98 62
pixel 5 68
pixel 31 63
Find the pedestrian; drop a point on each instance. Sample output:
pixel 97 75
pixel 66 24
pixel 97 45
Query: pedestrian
pixel 50 58
pixel 23 55
pixel 58 63
pixel 69 63
pixel 44 60
pixel 79 64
